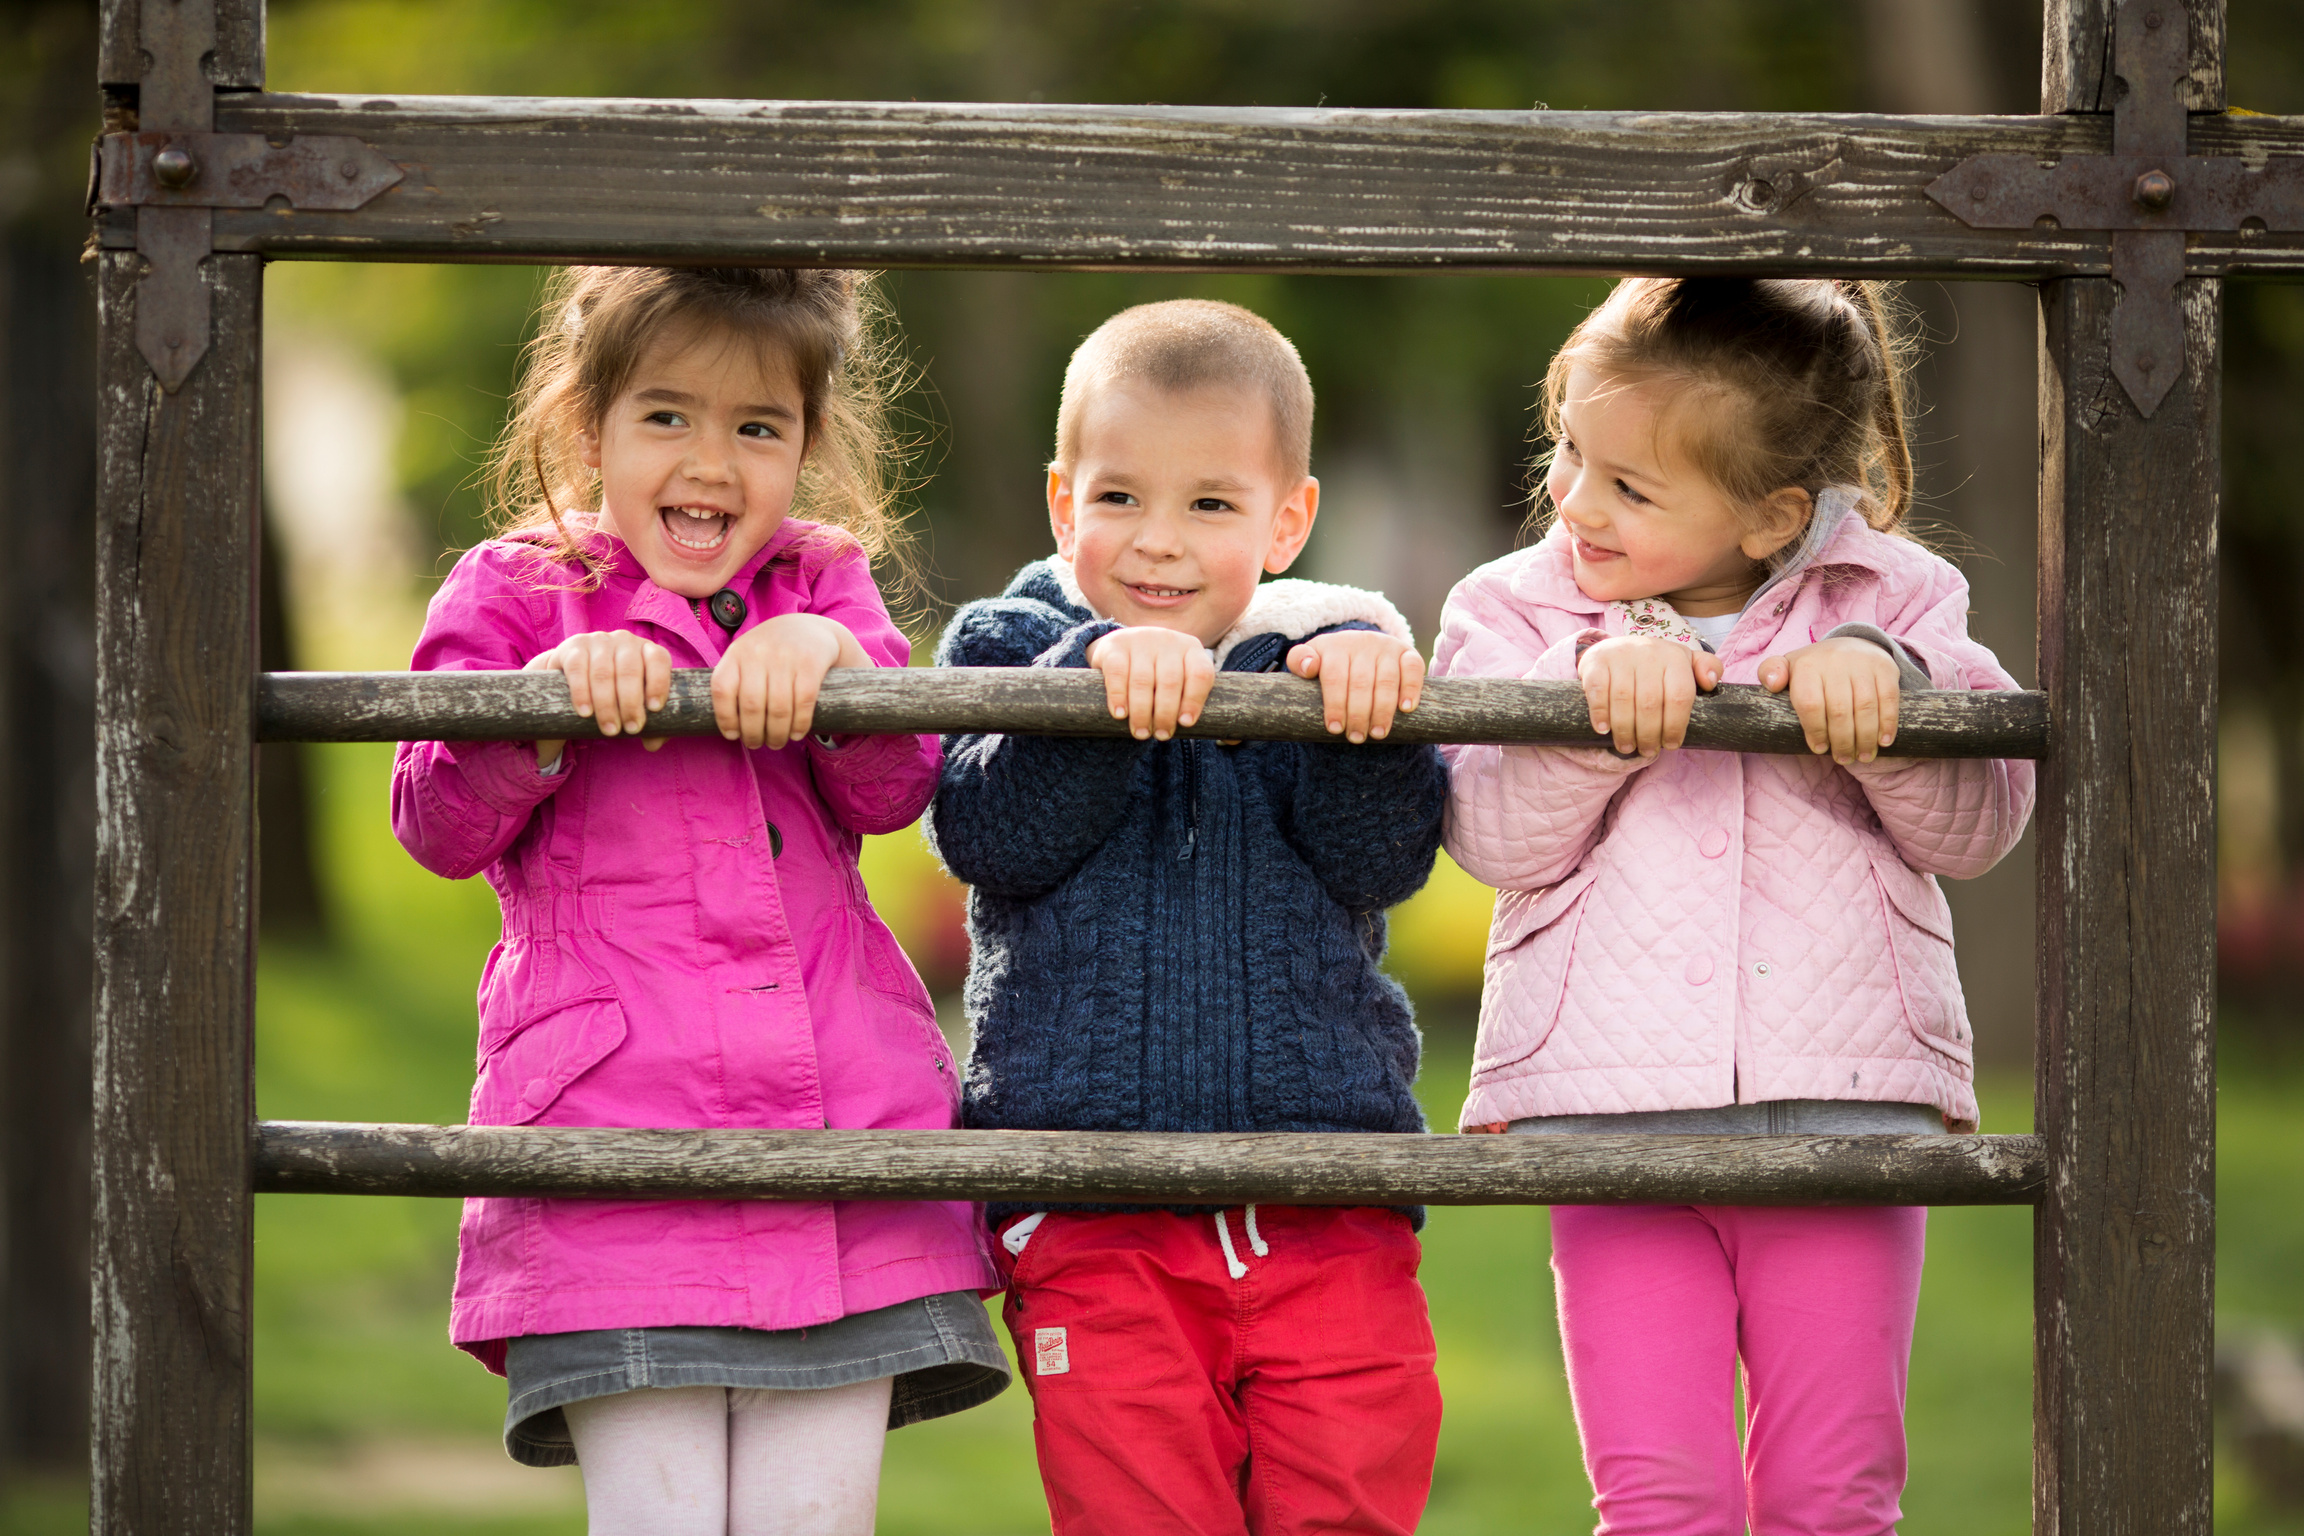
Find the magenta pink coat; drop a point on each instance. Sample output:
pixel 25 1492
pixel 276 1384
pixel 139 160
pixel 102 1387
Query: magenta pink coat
pixel 687 943
pixel 1714 928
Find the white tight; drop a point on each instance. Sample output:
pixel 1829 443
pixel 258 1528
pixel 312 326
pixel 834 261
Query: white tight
pixel 721 1461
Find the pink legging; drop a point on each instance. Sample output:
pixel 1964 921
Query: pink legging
pixel 1658 1302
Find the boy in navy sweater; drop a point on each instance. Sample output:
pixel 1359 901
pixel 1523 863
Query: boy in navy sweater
pixel 1185 935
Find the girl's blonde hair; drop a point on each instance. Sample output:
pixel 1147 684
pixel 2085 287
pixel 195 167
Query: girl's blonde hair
pixel 595 324
pixel 1793 382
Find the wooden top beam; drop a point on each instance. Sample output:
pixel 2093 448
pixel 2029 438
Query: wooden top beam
pixel 532 706
pixel 1188 188
pixel 1283 1168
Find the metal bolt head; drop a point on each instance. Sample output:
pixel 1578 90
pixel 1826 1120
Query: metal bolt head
pixel 2155 190
pixel 174 167
pixel 349 170
pixel 2152 21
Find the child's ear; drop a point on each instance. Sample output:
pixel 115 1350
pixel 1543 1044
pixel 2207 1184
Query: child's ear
pixel 1293 525
pixel 1782 518
pixel 588 447
pixel 1060 511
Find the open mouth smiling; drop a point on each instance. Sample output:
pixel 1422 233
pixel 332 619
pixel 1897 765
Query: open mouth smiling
pixel 699 529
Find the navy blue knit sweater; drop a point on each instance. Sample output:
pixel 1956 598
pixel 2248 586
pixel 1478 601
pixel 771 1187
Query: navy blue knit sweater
pixel 1177 936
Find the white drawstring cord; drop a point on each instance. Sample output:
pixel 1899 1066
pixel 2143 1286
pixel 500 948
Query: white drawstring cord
pixel 1256 1238
pixel 1231 1259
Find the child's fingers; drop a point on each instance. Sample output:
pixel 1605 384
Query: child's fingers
pixel 805 690
pixel 1679 698
pixel 1143 682
pixel 1598 689
pixel 1707 668
pixel 1840 713
pixel 1360 699
pixel 1891 697
pixel 601 662
pixel 631 685
pixel 1775 673
pixel 1651 732
pixel 1411 680
pixel 725 712
pixel 1167 694
pixel 752 707
pixel 1808 702
pixel 1385 700
pixel 1304 661
pixel 1624 707
pixel 659 678
pixel 1199 677
pixel 1864 695
pixel 776 709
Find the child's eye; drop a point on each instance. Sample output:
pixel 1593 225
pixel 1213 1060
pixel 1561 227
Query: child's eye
pixel 1630 494
pixel 1211 504
pixel 1568 448
pixel 758 429
pixel 1117 499
pixel 666 419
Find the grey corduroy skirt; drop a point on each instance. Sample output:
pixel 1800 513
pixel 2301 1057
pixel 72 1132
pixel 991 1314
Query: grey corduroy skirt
pixel 941 1350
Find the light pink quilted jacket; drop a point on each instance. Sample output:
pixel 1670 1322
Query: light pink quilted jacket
pixel 1718 928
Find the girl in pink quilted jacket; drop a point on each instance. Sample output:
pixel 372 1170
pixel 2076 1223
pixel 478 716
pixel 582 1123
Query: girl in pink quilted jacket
pixel 1713 942
pixel 686 940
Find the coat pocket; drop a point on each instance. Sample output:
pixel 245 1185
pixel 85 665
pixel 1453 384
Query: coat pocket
pixel 1927 975
pixel 1525 979
pixel 524 1074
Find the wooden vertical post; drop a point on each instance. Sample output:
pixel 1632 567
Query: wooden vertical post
pixel 175 971
pixel 2125 1237
pixel 175 962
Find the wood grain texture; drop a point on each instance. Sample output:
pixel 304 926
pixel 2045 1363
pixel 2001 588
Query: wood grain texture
pixel 175 963
pixel 1293 1168
pixel 2126 1233
pixel 528 706
pixel 2076 53
pixel 899 184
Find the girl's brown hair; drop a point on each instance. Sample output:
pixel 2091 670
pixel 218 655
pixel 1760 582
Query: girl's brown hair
pixel 1799 382
pixel 595 324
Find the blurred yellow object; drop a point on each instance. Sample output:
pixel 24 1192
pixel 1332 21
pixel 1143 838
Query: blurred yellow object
pixel 1440 936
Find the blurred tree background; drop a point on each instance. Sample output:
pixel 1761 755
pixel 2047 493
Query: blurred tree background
pixel 385 383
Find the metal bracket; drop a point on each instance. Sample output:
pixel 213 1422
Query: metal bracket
pixel 238 170
pixel 2148 192
pixel 174 177
pixel 174 96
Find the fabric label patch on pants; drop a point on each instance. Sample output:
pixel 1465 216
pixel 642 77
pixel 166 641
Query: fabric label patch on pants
pixel 1051 1356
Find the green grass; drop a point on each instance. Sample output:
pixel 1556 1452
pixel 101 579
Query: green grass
pixel 351 1317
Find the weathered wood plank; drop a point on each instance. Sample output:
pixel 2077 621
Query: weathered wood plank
pixel 2126 1231
pixel 527 706
pixel 1209 1169
pixel 2076 58
pixel 901 184
pixel 176 643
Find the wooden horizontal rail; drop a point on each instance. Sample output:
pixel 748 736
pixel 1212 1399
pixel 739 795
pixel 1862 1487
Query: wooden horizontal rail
pixel 1284 1168
pixel 883 184
pixel 528 706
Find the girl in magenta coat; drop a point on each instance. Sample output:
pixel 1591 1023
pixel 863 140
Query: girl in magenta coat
pixel 1719 943
pixel 686 938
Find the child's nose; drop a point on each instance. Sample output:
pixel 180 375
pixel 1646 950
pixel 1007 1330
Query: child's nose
pixel 707 462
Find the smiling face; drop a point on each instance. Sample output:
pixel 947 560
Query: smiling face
pixel 698 459
pixel 1643 521
pixel 1175 504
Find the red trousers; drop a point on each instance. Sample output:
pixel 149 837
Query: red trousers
pixel 1264 1371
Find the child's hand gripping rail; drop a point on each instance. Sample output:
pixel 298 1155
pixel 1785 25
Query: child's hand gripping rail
pixel 527 706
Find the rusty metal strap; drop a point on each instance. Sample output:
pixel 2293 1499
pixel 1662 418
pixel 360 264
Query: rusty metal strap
pixel 239 170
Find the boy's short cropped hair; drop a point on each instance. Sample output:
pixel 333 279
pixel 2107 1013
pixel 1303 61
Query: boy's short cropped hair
pixel 1185 344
